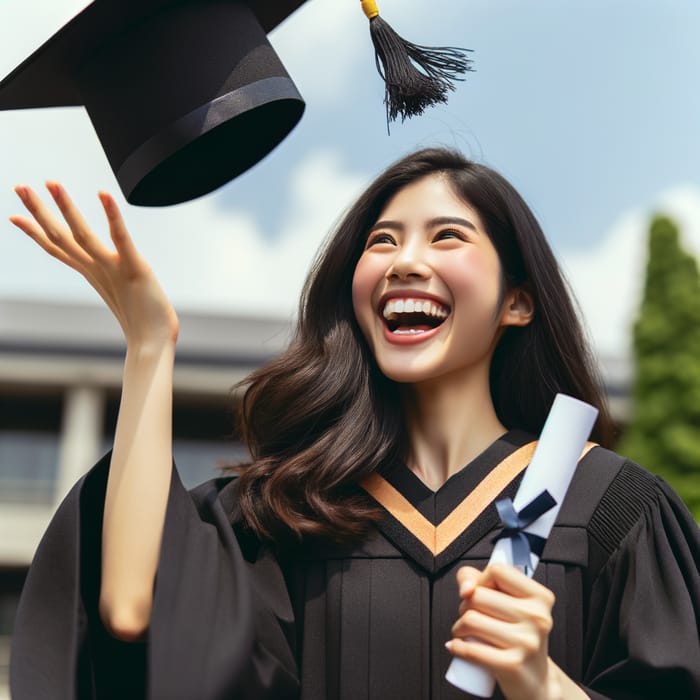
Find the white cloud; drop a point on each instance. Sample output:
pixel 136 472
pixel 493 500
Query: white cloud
pixel 233 265
pixel 682 204
pixel 206 257
pixel 608 279
pixel 318 47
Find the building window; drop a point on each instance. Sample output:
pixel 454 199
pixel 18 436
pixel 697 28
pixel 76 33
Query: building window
pixel 204 440
pixel 29 444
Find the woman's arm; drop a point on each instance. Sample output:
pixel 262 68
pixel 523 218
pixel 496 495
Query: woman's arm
pixel 141 463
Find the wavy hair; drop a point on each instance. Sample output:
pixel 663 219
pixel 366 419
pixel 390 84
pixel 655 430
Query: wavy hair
pixel 321 416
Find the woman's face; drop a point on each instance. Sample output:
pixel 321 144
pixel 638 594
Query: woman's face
pixel 427 289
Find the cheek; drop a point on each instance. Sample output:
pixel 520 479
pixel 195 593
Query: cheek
pixel 364 282
pixel 474 275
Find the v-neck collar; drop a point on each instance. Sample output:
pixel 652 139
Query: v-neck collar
pixel 435 528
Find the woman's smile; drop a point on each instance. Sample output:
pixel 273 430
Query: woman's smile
pixel 411 317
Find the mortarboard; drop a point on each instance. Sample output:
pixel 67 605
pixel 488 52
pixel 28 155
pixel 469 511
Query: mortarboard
pixel 184 96
pixel 187 94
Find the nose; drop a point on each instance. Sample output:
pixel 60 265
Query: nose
pixel 409 262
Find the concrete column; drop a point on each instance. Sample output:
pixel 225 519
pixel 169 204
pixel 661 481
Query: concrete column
pixel 81 435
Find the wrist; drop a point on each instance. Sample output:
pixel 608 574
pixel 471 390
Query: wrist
pixel 150 349
pixel 553 685
pixel 560 686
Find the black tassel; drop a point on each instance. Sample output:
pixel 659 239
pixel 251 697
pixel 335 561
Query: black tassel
pixel 410 90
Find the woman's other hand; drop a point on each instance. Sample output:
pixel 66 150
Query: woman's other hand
pixel 121 276
pixel 512 614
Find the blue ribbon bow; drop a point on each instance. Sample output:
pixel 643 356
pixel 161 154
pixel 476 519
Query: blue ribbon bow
pixel 523 543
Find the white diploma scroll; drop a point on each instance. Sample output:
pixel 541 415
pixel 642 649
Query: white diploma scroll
pixel 563 438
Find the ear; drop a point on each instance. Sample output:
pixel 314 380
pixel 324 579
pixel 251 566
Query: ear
pixel 518 308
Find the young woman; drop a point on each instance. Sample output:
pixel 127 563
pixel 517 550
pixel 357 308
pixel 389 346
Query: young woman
pixel 347 559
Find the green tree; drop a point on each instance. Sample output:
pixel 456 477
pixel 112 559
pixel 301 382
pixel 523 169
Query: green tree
pixel 664 431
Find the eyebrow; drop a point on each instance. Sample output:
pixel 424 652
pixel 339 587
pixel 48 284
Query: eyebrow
pixel 437 221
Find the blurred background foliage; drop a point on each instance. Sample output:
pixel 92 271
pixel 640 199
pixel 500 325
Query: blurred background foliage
pixel 663 434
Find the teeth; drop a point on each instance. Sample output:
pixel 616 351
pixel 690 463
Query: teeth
pixel 407 331
pixel 400 306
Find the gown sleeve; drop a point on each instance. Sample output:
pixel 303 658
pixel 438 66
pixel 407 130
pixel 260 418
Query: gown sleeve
pixel 221 623
pixel 644 613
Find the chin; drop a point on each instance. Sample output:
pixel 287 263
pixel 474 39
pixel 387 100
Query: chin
pixel 402 374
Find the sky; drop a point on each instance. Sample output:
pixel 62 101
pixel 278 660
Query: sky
pixel 589 107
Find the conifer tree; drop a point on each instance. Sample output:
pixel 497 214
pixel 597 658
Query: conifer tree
pixel 664 432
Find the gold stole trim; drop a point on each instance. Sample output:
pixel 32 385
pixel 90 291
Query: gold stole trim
pixel 437 539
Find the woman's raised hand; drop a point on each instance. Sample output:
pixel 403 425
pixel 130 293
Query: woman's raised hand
pixel 121 276
pixel 141 461
pixel 512 614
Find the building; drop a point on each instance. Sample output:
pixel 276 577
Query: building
pixel 60 375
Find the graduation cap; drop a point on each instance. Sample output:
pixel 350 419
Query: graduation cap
pixel 184 96
pixel 187 94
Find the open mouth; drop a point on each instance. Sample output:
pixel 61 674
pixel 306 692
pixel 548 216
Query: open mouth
pixel 410 316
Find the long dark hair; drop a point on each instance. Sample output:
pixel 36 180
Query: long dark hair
pixel 321 416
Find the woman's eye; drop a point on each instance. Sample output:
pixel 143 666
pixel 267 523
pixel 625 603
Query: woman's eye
pixel 450 233
pixel 380 238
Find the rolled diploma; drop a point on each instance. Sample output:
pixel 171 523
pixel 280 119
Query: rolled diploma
pixel 563 438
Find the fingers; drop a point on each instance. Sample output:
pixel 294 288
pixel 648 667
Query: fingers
pixel 505 593
pixel 476 625
pixel 504 606
pixel 501 604
pixel 504 578
pixel 79 228
pixel 467 579
pixel 504 610
pixel 50 230
pixel 495 658
pixel 130 258
pixel 76 245
pixel 37 234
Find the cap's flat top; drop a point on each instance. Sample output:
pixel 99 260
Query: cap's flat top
pixel 46 78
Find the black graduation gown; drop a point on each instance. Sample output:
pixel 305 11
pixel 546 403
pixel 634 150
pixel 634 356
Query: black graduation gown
pixel 231 619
